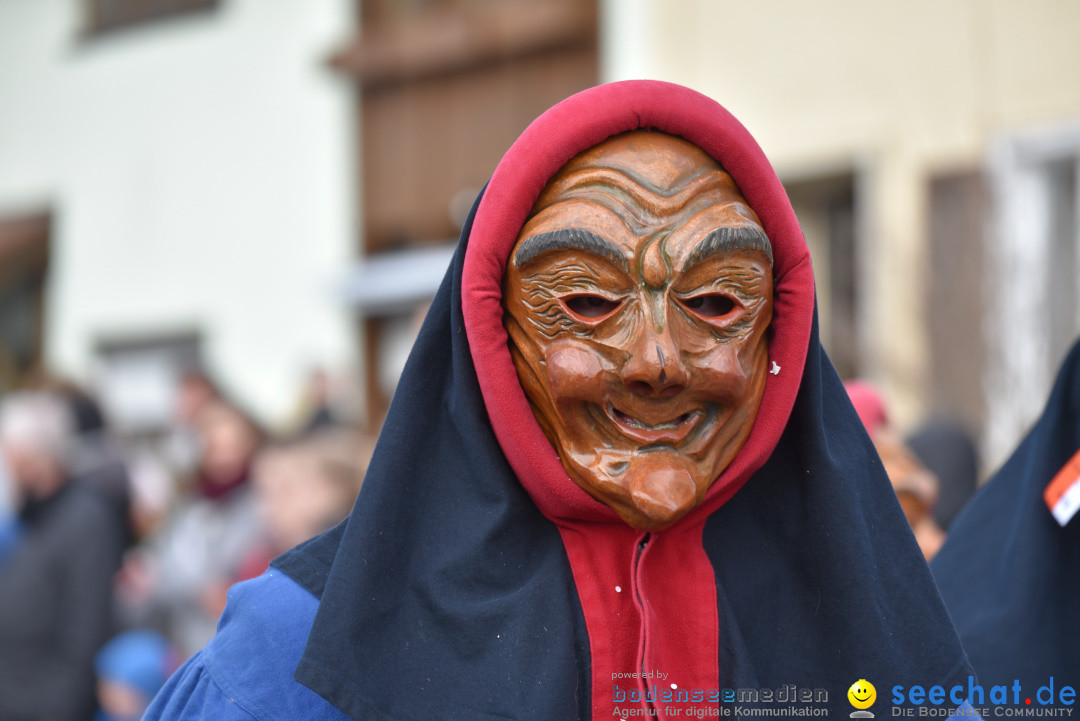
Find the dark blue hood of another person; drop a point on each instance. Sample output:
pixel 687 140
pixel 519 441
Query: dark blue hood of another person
pixel 1009 573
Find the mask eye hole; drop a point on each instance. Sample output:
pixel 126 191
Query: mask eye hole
pixel 710 305
pixel 590 307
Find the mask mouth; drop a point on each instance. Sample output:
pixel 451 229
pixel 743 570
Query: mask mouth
pixel 672 430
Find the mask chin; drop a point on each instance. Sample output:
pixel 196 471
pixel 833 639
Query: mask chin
pixel 649 490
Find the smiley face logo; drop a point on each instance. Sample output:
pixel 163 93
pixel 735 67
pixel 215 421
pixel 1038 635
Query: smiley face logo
pixel 862 694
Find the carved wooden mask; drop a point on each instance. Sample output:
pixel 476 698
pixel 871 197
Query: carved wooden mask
pixel 638 298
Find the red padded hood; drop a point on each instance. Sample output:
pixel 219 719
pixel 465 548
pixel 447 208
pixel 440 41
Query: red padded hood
pixel 565 130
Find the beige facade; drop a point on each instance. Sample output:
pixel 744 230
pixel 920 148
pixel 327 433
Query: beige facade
pixel 892 96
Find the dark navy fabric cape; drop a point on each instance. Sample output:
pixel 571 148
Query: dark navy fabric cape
pixel 453 592
pixel 1009 573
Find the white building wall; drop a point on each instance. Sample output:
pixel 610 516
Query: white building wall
pixel 200 172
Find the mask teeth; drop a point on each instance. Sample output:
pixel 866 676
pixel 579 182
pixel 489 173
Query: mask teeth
pixel 635 423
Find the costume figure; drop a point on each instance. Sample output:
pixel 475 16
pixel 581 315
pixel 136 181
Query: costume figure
pixel 916 487
pixel 1008 570
pixel 531 544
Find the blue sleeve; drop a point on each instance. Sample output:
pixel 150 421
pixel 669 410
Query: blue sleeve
pixel 246 672
pixel 192 695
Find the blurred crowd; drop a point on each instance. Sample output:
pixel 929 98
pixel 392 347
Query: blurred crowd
pixel 934 470
pixel 116 553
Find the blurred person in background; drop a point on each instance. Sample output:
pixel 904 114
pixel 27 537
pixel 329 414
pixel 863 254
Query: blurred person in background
pixel 303 488
pixel 131 668
pixel 947 449
pixel 196 392
pixel 56 585
pixel 916 487
pixel 316 408
pixel 96 459
pixel 177 580
pixel 154 490
pixel 160 474
pixel 9 522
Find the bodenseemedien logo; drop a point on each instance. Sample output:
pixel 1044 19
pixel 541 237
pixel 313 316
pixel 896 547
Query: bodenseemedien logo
pixel 862 695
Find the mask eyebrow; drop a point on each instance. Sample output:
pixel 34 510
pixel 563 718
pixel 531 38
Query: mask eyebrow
pixel 569 238
pixel 728 238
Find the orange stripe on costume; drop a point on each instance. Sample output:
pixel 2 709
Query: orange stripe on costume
pixel 1062 496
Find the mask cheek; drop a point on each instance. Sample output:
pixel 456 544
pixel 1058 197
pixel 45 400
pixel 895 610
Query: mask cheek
pixel 575 372
pixel 725 373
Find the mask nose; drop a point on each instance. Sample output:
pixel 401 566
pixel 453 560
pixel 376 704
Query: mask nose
pixel 654 368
